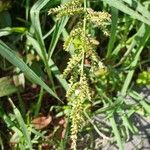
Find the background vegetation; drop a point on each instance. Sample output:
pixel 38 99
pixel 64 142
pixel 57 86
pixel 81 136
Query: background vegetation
pixel 34 111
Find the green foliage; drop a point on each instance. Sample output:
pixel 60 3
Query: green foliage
pixel 6 86
pixel 15 60
pixel 101 73
pixel 84 49
pixel 144 78
pixel 4 5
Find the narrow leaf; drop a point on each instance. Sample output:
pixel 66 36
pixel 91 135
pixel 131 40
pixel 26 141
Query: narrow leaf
pixel 6 52
pixel 124 8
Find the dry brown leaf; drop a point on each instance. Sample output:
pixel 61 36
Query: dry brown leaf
pixel 41 122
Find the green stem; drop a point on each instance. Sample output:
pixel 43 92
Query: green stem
pixel 21 104
pixel 84 23
pixel 84 30
pixel 38 105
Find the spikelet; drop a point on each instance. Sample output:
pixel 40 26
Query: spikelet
pixel 72 90
pixel 76 117
pixel 70 8
pixel 77 95
pixel 74 37
pixel 85 88
pixel 74 76
pixel 71 12
pixel 73 62
pixel 99 19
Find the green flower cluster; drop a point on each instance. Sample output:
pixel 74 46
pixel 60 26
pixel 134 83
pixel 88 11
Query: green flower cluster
pixel 74 7
pixel 78 93
pixel 70 8
pixel 99 19
pixel 84 59
pixel 73 63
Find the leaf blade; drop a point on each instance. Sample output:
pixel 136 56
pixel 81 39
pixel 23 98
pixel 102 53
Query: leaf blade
pixel 6 52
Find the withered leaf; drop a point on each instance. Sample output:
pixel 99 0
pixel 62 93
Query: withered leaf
pixel 41 122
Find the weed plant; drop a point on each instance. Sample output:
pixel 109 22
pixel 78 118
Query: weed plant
pixel 65 63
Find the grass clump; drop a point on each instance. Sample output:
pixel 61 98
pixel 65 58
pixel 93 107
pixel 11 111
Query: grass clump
pixel 83 62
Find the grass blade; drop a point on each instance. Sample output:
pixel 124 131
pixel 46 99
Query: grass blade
pixel 6 52
pixel 116 132
pixel 137 97
pixel 56 34
pixel 124 8
pixel 21 124
pixel 114 14
pixel 138 7
pixel 141 38
pixel 8 30
pixel 51 63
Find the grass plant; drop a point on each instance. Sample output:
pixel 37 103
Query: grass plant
pixel 80 59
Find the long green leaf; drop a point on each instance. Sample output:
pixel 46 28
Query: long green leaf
pixel 124 8
pixel 22 125
pixel 114 14
pixel 6 52
pixel 40 45
pixel 8 30
pixel 140 40
pixel 10 124
pixel 138 7
pixel 36 26
pixel 137 97
pixel 51 63
pixel 56 34
pixel 116 132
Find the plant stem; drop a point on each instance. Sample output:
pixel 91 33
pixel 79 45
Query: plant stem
pixel 38 104
pixel 84 30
